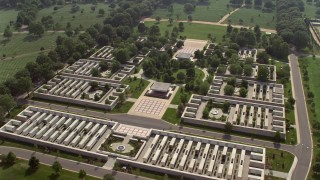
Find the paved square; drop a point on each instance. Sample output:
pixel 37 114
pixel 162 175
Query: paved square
pixel 150 106
pixel 192 45
pixel 133 130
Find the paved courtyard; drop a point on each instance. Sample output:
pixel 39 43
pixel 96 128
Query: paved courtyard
pixel 192 45
pixel 150 106
pixel 133 130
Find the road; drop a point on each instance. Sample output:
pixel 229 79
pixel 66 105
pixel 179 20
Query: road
pixel 68 164
pixel 304 150
pixel 216 24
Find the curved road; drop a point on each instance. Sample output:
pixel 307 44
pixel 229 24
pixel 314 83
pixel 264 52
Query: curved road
pixel 303 151
pixel 68 164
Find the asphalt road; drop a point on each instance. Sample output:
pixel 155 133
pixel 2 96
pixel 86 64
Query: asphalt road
pixel 68 164
pixel 302 151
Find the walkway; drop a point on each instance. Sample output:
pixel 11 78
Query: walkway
pixel 229 14
pixel 216 24
pixel 67 164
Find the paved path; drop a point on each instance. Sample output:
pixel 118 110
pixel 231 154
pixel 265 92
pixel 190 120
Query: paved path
pixel 276 174
pixel 229 14
pixel 216 24
pixel 68 164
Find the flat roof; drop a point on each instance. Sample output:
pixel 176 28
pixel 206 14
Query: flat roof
pixel 161 87
pixel 184 55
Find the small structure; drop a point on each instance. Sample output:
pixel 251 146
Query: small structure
pixel 183 56
pixel 160 90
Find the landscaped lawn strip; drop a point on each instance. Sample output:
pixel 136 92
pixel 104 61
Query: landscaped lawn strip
pixel 124 108
pixel 136 87
pixel 277 161
pixel 170 116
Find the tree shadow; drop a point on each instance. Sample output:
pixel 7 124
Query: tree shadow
pixel 31 38
pixel 29 171
pixel 53 176
pixel 5 166
pixel 5 41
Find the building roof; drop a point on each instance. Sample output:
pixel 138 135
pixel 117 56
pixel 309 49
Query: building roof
pixel 161 87
pixel 182 55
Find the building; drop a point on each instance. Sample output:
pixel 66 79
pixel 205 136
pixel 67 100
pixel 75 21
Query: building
pixel 160 90
pixel 183 56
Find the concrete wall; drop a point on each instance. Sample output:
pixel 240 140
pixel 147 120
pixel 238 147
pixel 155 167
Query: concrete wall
pixel 115 82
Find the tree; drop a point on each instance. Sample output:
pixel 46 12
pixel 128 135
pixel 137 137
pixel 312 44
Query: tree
pixel 243 92
pixel 56 166
pixel 33 163
pixel 179 44
pixel 277 137
pixel 301 39
pixel 36 29
pixel 181 76
pixel 7 33
pixel 247 70
pixel 10 158
pixel 204 87
pixel 122 55
pixel 158 19
pixel 188 8
pixel 7 102
pixel 82 174
pixel 228 90
pixel 263 58
pixel 95 72
pixel 101 12
pixel 225 106
pixel 108 177
pixel 142 28
pixel 235 69
pixel 228 127
pixel 232 81
pixel 191 72
pixel 229 28
pixel 181 27
pixel 189 18
pixel 263 73
pixel 170 20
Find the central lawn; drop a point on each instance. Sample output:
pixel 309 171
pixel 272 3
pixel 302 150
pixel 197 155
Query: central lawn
pixel 252 17
pixel 177 98
pixel 193 30
pixel 310 9
pixel 170 116
pixel 63 15
pixel 212 11
pixel 19 171
pixel 124 108
pixel 7 15
pixel 199 73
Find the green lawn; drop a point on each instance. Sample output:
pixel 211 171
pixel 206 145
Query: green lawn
pixel 9 67
pixel 310 9
pixel 193 30
pixel 277 162
pixel 19 171
pixel 22 44
pixel 213 11
pixel 136 87
pixel 63 15
pixel 7 15
pixel 177 100
pixel 124 108
pixel 199 73
pixel 252 17
pixel 170 116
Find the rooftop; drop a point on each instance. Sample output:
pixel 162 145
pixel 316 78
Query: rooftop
pixel 161 87
pixel 182 55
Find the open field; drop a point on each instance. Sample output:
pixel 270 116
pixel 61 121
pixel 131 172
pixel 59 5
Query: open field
pixel 279 160
pixel 310 9
pixel 24 43
pixel 252 17
pixel 64 15
pixel 9 67
pixel 170 116
pixel 20 171
pixel 7 15
pixel 193 30
pixel 212 12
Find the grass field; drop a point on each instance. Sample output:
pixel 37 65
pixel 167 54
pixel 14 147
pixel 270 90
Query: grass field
pixel 310 9
pixel 213 11
pixel 124 108
pixel 177 98
pixel 7 15
pixel 64 15
pixel 19 171
pixel 193 30
pixel 21 49
pixel 170 116
pixel 279 160
pixel 252 17
pixel 136 87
